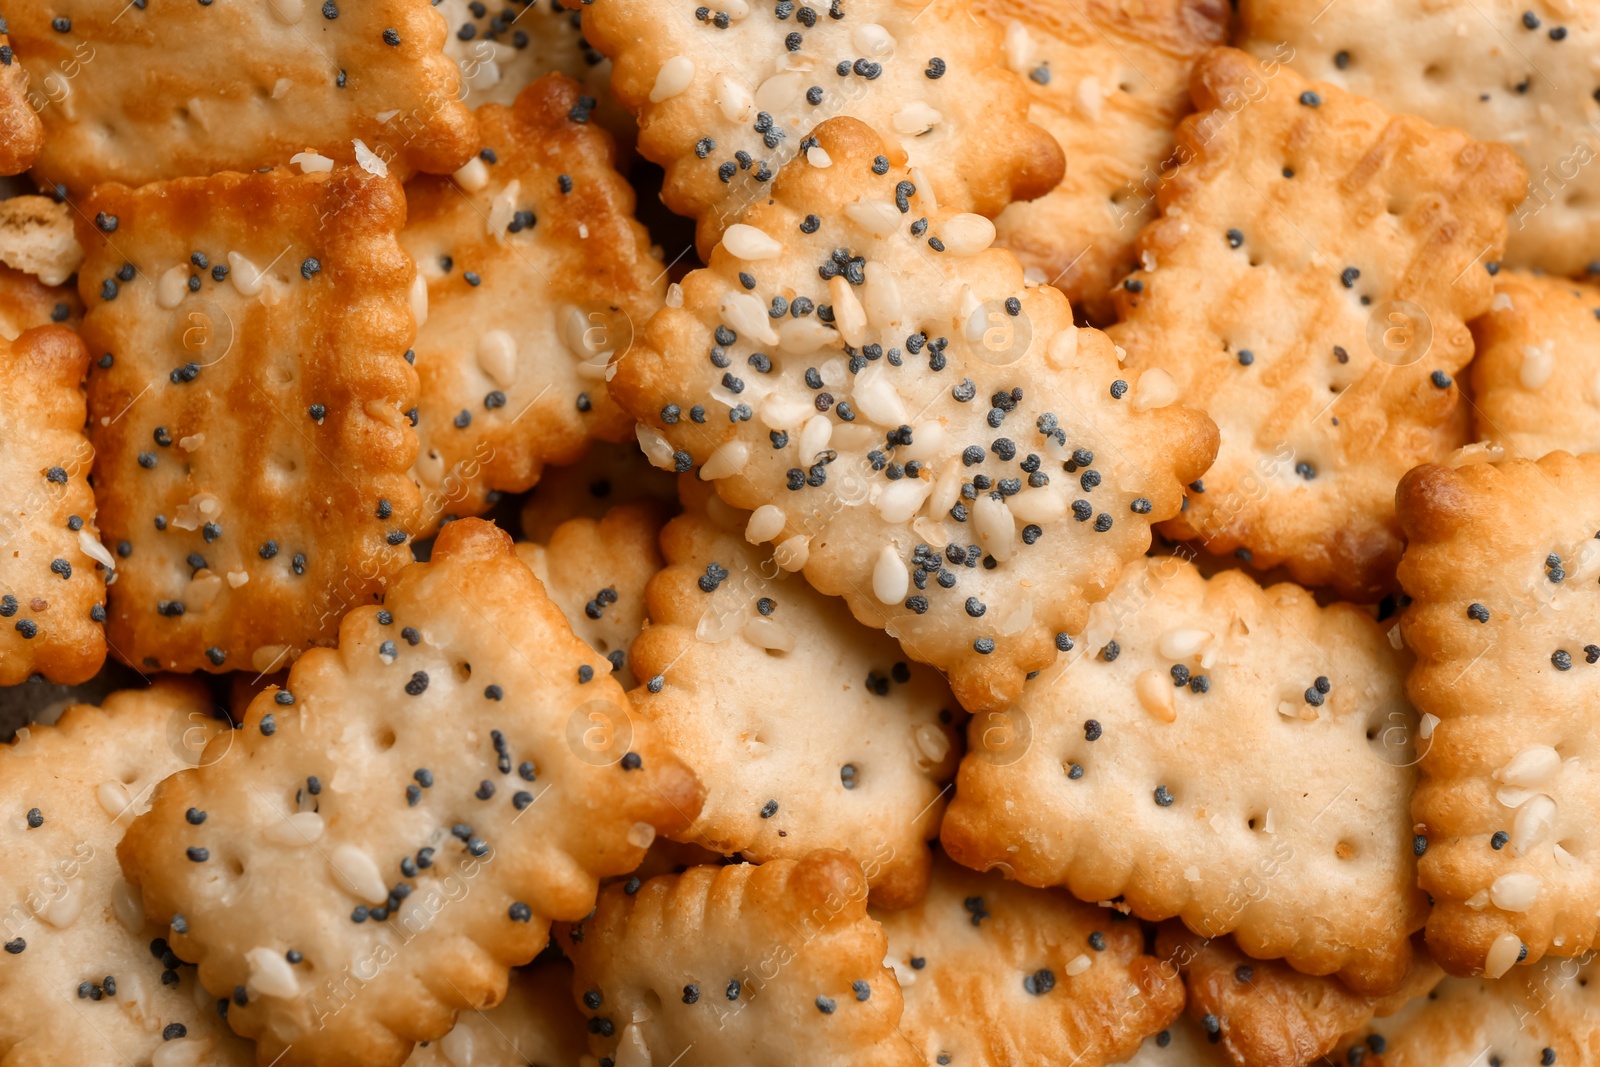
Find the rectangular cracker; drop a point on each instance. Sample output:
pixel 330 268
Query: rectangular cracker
pixel 1307 285
pixel 250 426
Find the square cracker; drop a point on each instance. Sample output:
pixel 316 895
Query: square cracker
pixel 86 979
pixel 997 973
pixel 1536 376
pixel 1318 318
pixel 856 363
pixel 535 1023
pixel 807 730
pixel 536 274
pixel 1108 80
pixel 138 93
pixel 1235 756
pixel 765 966
pixel 250 428
pixel 409 814
pixel 1479 66
pixel 52 583
pixel 1505 623
pixel 723 105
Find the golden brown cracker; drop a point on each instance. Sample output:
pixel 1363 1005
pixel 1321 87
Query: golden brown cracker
pixel 596 573
pixel 1505 623
pixel 896 435
pixel 995 973
pixel 52 565
pixel 1516 71
pixel 249 409
pixel 408 815
pixel 1536 376
pixel 807 730
pixel 21 132
pixel 85 978
pixel 534 1024
pixel 759 965
pixel 1108 80
pixel 1308 285
pixel 36 237
pixel 609 475
pixel 728 97
pixel 1236 756
pixel 536 274
pixel 141 94
pixel 26 302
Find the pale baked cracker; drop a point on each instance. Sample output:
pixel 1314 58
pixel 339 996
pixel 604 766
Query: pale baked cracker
pixel 953 305
pixel 996 973
pixel 608 476
pixel 1536 376
pixel 1251 803
pixel 534 1024
pixel 1476 65
pixel 36 236
pixel 1513 544
pixel 596 573
pixel 21 132
pixel 1314 441
pixel 1183 1044
pixel 140 94
pixel 1267 1014
pixel 1108 80
pixel 1547 1014
pixel 311 516
pixel 69 917
pixel 813 985
pixel 530 290
pixel 700 89
pixel 52 581
pixel 26 302
pixel 807 730
pixel 365 718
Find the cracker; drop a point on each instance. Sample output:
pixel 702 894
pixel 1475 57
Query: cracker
pixel 1476 65
pixel 21 132
pixel 596 573
pixel 251 437
pixel 808 730
pixel 997 973
pixel 36 237
pixel 1183 1044
pixel 1266 1014
pixel 608 476
pixel 26 302
pixel 951 351
pixel 1536 376
pixel 407 913
pixel 144 94
pixel 1506 795
pixel 1547 1014
pixel 530 290
pixel 52 580
pixel 1235 756
pixel 725 101
pixel 762 965
pixel 535 1024
pixel 1108 81
pixel 1348 285
pixel 85 978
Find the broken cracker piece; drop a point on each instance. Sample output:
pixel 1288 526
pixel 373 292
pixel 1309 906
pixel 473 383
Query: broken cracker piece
pixel 26 302
pixel 1501 566
pixel 912 426
pixel 1536 376
pixel 143 94
pixel 1308 285
pixel 52 565
pixel 996 973
pixel 608 476
pixel 535 1023
pixel 249 409
pixel 36 237
pixel 87 978
pixel 761 965
pixel 807 730
pixel 1236 756
pixel 727 99
pixel 1109 81
pixel 408 815
pixel 536 274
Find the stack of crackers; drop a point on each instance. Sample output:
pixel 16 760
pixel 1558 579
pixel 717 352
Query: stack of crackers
pixel 1072 538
